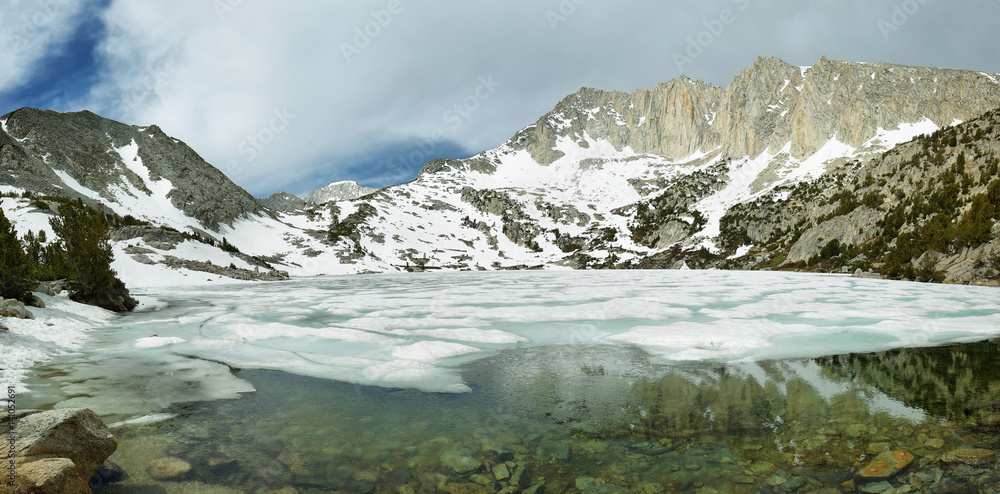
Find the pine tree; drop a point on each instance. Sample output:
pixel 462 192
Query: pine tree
pixel 15 279
pixel 84 255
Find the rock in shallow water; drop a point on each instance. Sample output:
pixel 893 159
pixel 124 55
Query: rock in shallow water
pixel 885 466
pixel 460 461
pixel 167 468
pixel 970 456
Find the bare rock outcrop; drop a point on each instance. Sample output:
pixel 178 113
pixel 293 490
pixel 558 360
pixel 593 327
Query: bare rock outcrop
pixel 765 107
pixel 56 451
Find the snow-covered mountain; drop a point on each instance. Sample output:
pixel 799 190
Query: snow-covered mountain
pixel 605 179
pixel 345 190
pixel 282 201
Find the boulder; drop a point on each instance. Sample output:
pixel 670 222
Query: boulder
pixel 51 475
pixel 14 308
pixel 46 288
pixel 57 451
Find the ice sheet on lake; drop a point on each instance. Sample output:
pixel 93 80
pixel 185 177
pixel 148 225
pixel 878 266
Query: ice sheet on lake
pixel 414 331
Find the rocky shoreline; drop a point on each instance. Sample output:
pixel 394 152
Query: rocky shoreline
pixel 56 452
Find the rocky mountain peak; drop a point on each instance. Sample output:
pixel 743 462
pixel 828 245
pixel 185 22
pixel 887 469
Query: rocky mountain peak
pixel 134 170
pixel 345 190
pixel 766 107
pixel 282 201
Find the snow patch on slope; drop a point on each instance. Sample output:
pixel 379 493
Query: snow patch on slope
pixel 888 139
pixel 742 175
pixel 153 206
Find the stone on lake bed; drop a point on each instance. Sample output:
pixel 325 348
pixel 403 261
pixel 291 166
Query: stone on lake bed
pixel 605 489
pixel 858 430
pixel 583 482
pixel 535 489
pixel 554 450
pixel 481 479
pixel 167 468
pixel 885 466
pixel 500 471
pixel 762 467
pixel 974 457
pixel 876 487
pixel 652 488
pixel 521 477
pixel 460 461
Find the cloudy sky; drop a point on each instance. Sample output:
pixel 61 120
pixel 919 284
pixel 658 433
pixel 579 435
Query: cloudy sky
pixel 296 94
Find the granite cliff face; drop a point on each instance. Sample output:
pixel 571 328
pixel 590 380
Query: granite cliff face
pixel 766 107
pixel 100 160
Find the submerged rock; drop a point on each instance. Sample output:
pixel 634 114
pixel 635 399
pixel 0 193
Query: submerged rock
pixel 885 466
pixel 554 450
pixel 167 468
pixel 605 489
pixel 970 456
pixel 108 473
pixel 500 471
pixel 521 477
pixel 460 461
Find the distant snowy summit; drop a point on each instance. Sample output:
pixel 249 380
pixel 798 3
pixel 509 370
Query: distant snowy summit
pixel 282 201
pixel 346 190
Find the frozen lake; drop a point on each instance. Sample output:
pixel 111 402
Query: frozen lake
pixel 669 367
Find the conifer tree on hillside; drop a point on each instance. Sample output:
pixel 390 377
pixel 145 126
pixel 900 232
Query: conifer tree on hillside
pixel 84 255
pixel 15 267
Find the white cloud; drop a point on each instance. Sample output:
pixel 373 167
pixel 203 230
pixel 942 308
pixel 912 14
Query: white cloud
pixel 218 79
pixel 29 30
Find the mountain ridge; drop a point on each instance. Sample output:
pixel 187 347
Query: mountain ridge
pixel 651 178
pixel 87 162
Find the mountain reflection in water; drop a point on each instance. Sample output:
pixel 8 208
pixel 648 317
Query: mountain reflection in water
pixel 575 418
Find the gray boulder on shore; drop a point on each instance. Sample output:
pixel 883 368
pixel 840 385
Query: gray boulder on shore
pixel 14 308
pixel 56 451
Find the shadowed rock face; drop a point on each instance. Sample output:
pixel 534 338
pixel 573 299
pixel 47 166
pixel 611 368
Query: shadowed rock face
pixel 37 143
pixel 766 106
